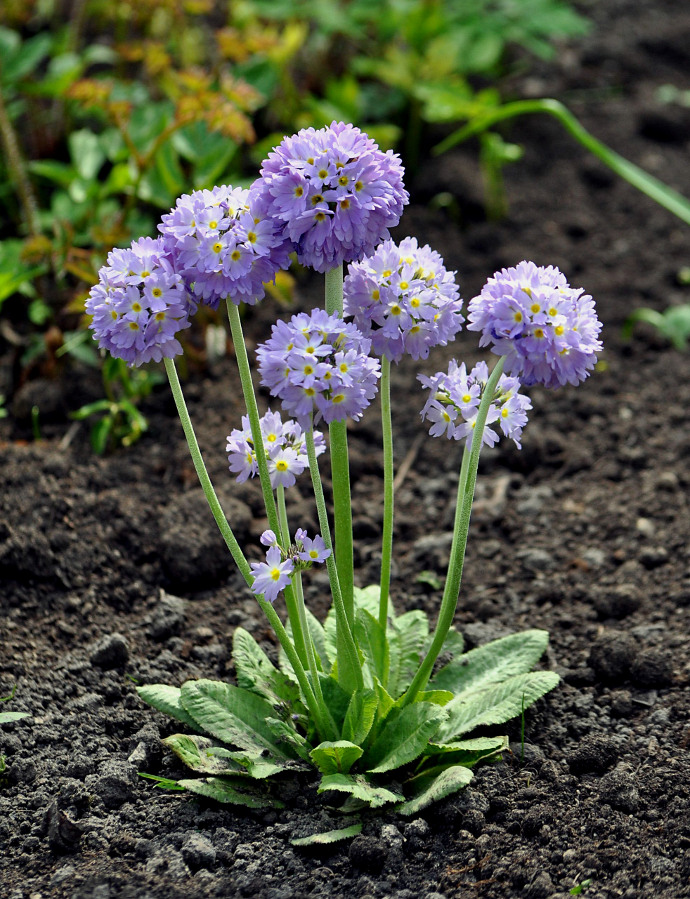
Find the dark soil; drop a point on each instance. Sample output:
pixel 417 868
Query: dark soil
pixel 112 570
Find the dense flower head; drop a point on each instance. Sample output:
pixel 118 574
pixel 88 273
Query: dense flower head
pixel 403 298
pixel 317 363
pixel 225 244
pixel 547 330
pixel 454 398
pixel 335 191
pixel 284 446
pixel 139 304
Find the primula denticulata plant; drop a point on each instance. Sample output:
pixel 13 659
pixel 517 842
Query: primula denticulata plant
pixel 357 697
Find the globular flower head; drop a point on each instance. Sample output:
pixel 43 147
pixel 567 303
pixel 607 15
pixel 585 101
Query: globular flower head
pixel 318 364
pixel 284 446
pixel 139 304
pixel 547 330
pixel 335 192
pixel 225 244
pixel 453 404
pixel 273 575
pixel 403 298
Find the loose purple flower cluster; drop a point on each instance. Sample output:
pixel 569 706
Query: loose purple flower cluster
pixel 224 244
pixel 336 193
pixel 547 330
pixel 317 363
pixel 139 304
pixel 273 575
pixel 454 398
pixel 284 445
pixel 403 298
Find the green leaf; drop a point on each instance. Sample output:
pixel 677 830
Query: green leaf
pixel 100 434
pixel 252 763
pixel 438 697
pixel 373 643
pixel 328 836
pixel 229 792
pixel 167 699
pixel 231 714
pixel 336 757
pixel 86 153
pixel 5 717
pixel 367 598
pixel 467 753
pixel 336 699
pixel 404 736
pixel 492 663
pixel 256 672
pixel 407 639
pixel 494 705
pixel 286 733
pixel 193 752
pixel 360 716
pixel 163 783
pixel 435 788
pixel 358 787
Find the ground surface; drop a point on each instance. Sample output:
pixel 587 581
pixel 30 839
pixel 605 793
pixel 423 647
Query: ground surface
pixel 583 533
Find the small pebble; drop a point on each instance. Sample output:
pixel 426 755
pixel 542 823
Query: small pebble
pixel 110 652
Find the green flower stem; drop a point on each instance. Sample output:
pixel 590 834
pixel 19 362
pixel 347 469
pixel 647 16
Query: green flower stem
pixel 656 190
pixel 322 722
pixel 291 600
pixel 387 539
pixel 202 473
pixel 349 667
pixel 318 712
pixel 340 472
pixel 463 511
pixel 253 414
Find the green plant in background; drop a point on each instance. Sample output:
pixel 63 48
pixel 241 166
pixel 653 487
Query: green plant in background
pixel 6 717
pixel 120 423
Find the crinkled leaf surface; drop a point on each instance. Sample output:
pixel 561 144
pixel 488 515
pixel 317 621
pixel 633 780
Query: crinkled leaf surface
pixel 257 673
pixel 492 663
pixel 167 700
pixel 404 736
pixel 360 716
pixel 328 836
pixel 430 790
pixel 407 636
pixel 360 788
pixel 494 705
pixel 227 791
pixel 336 757
pixel 373 645
pixel 231 714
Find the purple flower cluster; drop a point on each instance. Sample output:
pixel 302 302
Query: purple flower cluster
pixel 139 304
pixel 454 398
pixel 284 445
pixel 317 363
pixel 335 191
pixel 403 298
pixel 547 330
pixel 224 244
pixel 273 575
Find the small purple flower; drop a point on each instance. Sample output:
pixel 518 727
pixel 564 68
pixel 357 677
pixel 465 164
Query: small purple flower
pixel 334 191
pixel 311 550
pixel 403 298
pixel 225 244
pixel 454 398
pixel 547 330
pixel 268 538
pixel 284 445
pixel 319 364
pixel 271 576
pixel 139 304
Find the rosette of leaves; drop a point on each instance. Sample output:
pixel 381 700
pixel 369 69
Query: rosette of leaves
pixel 242 739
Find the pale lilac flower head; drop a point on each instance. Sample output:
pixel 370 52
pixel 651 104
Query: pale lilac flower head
pixel 335 192
pixel 317 363
pixel 139 304
pixel 284 445
pixel 273 575
pixel 454 398
pixel 225 244
pixel 547 330
pixel 403 298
